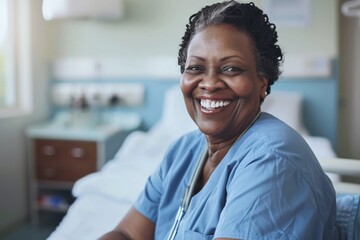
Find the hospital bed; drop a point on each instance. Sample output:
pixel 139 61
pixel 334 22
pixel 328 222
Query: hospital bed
pixel 102 198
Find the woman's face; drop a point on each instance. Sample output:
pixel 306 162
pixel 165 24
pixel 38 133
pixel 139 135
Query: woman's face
pixel 221 85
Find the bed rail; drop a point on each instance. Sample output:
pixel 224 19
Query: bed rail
pixel 343 167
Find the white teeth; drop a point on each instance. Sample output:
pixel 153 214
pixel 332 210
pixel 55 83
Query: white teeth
pixel 208 104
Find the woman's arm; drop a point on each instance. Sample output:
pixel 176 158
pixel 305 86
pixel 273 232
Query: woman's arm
pixel 133 226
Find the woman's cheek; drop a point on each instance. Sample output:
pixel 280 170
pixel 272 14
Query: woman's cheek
pixel 243 88
pixel 187 85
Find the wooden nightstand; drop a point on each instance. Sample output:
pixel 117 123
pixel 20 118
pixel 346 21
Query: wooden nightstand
pixel 59 156
pixel 64 160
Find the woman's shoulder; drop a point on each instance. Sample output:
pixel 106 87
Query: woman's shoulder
pixel 272 143
pixel 271 140
pixel 271 131
pixel 267 120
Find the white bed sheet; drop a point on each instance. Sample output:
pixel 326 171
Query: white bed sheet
pixel 104 197
pixel 89 217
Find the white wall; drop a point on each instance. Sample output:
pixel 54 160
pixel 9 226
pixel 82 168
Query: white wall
pixel 319 37
pixel 13 182
pixel 156 27
pixel 149 28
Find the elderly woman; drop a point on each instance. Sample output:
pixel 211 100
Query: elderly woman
pixel 244 174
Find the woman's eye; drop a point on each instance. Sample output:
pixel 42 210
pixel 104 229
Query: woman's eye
pixel 194 69
pixel 231 70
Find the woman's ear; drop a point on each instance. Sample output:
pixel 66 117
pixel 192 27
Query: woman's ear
pixel 264 81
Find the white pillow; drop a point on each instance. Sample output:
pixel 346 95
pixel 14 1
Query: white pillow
pixel 287 106
pixel 175 115
pixel 284 105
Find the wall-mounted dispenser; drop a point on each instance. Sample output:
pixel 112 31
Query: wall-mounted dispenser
pixel 82 9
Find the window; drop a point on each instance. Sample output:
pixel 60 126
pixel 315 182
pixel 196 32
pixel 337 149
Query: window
pixel 7 90
pixel 13 95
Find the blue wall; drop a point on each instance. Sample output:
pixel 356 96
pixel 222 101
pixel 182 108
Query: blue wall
pixel 319 106
pixel 150 110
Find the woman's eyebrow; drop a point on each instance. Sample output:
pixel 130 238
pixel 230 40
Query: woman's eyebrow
pixel 197 58
pixel 230 57
pixel 221 59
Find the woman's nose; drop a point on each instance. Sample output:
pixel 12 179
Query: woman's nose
pixel 211 81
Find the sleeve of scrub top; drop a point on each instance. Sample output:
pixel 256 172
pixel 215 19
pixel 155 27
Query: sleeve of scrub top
pixel 148 201
pixel 269 199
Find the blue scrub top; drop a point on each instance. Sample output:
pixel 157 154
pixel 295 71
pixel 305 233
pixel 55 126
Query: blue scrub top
pixel 268 186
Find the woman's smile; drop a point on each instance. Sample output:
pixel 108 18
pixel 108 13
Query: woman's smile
pixel 212 106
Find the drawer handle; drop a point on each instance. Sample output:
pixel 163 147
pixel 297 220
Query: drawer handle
pixel 77 152
pixel 48 150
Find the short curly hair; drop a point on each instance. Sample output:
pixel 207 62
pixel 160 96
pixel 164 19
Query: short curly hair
pixel 246 17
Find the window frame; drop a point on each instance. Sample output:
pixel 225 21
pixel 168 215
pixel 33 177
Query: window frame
pixel 17 69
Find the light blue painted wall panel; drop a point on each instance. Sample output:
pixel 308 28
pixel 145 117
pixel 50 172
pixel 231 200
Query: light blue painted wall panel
pixel 319 106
